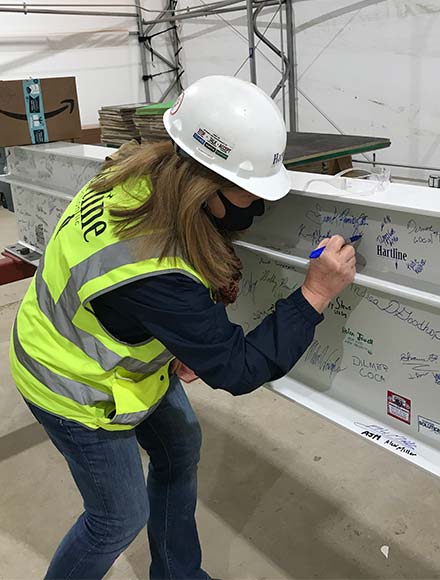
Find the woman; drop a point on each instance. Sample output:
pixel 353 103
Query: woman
pixel 131 293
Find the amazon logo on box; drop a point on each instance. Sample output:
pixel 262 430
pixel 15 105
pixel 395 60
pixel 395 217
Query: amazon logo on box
pixel 38 111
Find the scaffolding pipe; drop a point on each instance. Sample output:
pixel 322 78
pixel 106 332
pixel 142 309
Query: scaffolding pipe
pixel 291 59
pixel 186 10
pixel 251 42
pixel 158 19
pixel 127 5
pixel 205 12
pixel 194 12
pixel 398 165
pixel 164 59
pixel 151 23
pixel 170 87
pixel 150 48
pixel 161 57
pixel 269 44
pixel 283 88
pixel 176 49
pixel 28 10
pixel 144 65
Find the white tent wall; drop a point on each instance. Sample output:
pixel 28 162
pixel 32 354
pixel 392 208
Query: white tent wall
pixel 218 45
pixel 97 50
pixel 373 68
pixel 370 65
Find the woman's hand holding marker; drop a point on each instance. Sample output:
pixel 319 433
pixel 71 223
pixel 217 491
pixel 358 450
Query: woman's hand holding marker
pixel 331 273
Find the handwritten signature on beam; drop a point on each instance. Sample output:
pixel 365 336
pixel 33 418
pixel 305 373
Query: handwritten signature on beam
pixel 325 359
pixel 393 437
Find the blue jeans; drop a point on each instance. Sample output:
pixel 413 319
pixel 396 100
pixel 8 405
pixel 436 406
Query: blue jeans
pixel 107 468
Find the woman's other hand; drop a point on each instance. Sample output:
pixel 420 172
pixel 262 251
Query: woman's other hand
pixel 183 372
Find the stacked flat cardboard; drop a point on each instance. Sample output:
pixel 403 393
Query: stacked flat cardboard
pixel 117 125
pixel 148 120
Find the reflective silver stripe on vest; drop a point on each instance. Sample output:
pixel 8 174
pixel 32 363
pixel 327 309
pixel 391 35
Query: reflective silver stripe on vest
pixel 62 312
pixel 79 392
pixel 133 418
pixel 138 366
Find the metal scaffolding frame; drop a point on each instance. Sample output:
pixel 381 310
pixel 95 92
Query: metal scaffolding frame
pixel 171 15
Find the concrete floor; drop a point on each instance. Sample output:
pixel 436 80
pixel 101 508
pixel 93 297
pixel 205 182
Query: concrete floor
pixel 283 494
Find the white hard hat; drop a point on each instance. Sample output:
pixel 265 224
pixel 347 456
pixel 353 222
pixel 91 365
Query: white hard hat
pixel 236 130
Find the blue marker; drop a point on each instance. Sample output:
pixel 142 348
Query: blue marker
pixel 316 253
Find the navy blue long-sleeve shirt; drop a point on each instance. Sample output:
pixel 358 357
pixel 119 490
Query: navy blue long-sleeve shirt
pixel 180 313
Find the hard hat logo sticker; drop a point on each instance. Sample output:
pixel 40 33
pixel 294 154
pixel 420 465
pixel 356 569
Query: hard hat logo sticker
pixel 277 158
pixel 213 142
pixel 177 104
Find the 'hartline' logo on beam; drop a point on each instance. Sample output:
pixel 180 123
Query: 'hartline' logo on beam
pixel 393 253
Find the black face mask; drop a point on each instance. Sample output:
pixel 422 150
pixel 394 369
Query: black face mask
pixel 236 218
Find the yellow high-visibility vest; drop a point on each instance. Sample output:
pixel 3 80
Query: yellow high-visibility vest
pixel 62 358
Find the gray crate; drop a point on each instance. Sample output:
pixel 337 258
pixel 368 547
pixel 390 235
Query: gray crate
pixel 43 179
pixel 5 189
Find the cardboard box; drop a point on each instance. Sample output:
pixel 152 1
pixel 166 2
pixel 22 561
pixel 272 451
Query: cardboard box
pixel 38 111
pixel 90 135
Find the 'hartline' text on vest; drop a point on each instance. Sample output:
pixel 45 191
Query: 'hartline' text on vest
pixel 92 208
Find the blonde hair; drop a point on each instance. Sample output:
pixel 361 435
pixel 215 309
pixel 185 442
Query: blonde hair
pixel 174 210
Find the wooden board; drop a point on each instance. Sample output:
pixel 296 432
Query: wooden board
pixel 311 147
